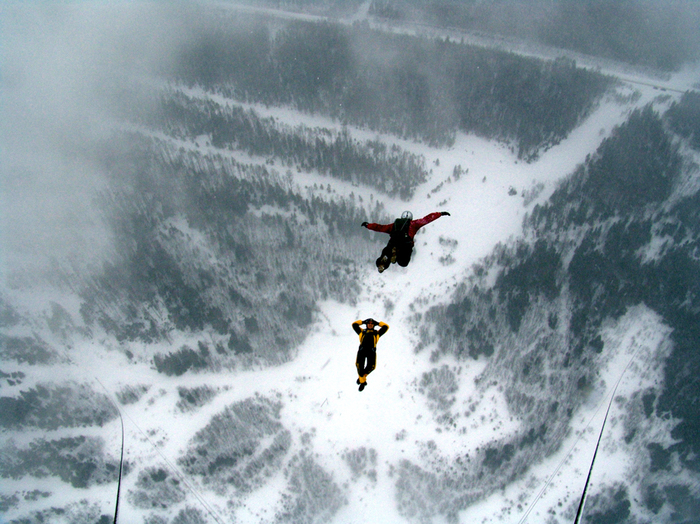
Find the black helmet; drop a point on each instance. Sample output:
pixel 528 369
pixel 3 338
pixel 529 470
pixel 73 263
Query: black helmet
pixel 407 214
pixel 370 321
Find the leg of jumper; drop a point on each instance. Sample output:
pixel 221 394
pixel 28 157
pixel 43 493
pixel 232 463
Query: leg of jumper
pixel 365 362
pixel 371 362
pixel 404 255
pixel 385 258
pixel 387 249
pixel 360 364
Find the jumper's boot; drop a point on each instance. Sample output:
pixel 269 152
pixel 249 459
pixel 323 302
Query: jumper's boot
pixel 382 263
pixel 362 381
pixel 393 255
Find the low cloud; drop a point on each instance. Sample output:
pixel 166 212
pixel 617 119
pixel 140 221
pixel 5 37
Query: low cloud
pixel 68 71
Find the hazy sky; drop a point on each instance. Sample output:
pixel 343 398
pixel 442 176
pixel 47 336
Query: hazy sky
pixel 63 71
pixel 67 69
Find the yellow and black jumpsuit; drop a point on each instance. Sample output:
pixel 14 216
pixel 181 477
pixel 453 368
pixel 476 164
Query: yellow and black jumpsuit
pixel 367 352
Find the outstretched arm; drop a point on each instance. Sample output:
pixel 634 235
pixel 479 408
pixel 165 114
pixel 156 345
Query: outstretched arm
pixel 427 219
pixel 380 228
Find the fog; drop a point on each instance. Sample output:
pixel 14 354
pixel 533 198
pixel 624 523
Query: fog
pixel 198 175
pixel 68 71
pixel 660 34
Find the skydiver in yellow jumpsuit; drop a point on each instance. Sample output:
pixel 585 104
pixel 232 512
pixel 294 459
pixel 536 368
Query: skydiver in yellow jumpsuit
pixel 367 353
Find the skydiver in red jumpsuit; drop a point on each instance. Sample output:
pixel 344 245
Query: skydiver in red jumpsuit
pixel 401 233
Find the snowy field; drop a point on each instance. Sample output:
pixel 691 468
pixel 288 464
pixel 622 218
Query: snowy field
pixel 321 405
pixel 390 420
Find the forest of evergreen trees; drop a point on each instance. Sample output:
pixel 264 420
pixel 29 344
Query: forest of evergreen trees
pixel 684 118
pixel 193 255
pixel 587 265
pixel 220 260
pixel 661 35
pixel 648 33
pixel 194 252
pixel 416 88
pixel 387 169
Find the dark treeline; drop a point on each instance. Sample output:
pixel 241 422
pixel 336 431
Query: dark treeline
pixel 331 8
pixel 79 461
pixel 49 407
pixel 195 253
pixel 594 257
pixel 417 88
pixel 661 35
pixel 373 163
pixel 684 118
pixel 245 445
pixel 240 448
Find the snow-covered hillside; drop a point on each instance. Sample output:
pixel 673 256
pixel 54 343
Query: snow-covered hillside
pixel 238 394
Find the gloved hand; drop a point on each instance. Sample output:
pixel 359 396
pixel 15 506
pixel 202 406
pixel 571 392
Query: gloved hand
pixel 364 224
pixel 445 214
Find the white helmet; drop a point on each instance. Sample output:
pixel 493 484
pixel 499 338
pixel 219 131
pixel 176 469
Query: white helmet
pixel 407 214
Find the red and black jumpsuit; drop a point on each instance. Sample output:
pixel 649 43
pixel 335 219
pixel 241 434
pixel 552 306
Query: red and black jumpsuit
pixel 404 248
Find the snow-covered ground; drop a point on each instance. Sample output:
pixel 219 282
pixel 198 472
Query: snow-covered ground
pixel 321 404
